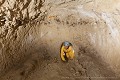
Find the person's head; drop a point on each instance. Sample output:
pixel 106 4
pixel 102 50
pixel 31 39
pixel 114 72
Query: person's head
pixel 66 45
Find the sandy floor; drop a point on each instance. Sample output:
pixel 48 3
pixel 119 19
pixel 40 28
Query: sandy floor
pixel 44 67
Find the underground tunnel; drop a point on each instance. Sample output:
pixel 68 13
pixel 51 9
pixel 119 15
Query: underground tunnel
pixel 31 32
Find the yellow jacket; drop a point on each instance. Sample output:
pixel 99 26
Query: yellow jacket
pixel 69 53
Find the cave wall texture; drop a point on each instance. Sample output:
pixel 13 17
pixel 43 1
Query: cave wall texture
pixel 28 26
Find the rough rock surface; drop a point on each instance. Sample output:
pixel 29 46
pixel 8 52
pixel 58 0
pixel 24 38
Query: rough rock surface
pixel 31 32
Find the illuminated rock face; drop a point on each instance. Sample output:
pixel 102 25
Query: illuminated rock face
pixel 31 26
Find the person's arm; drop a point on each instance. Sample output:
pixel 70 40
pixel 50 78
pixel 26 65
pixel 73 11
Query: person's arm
pixel 69 49
pixel 71 52
pixel 62 53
